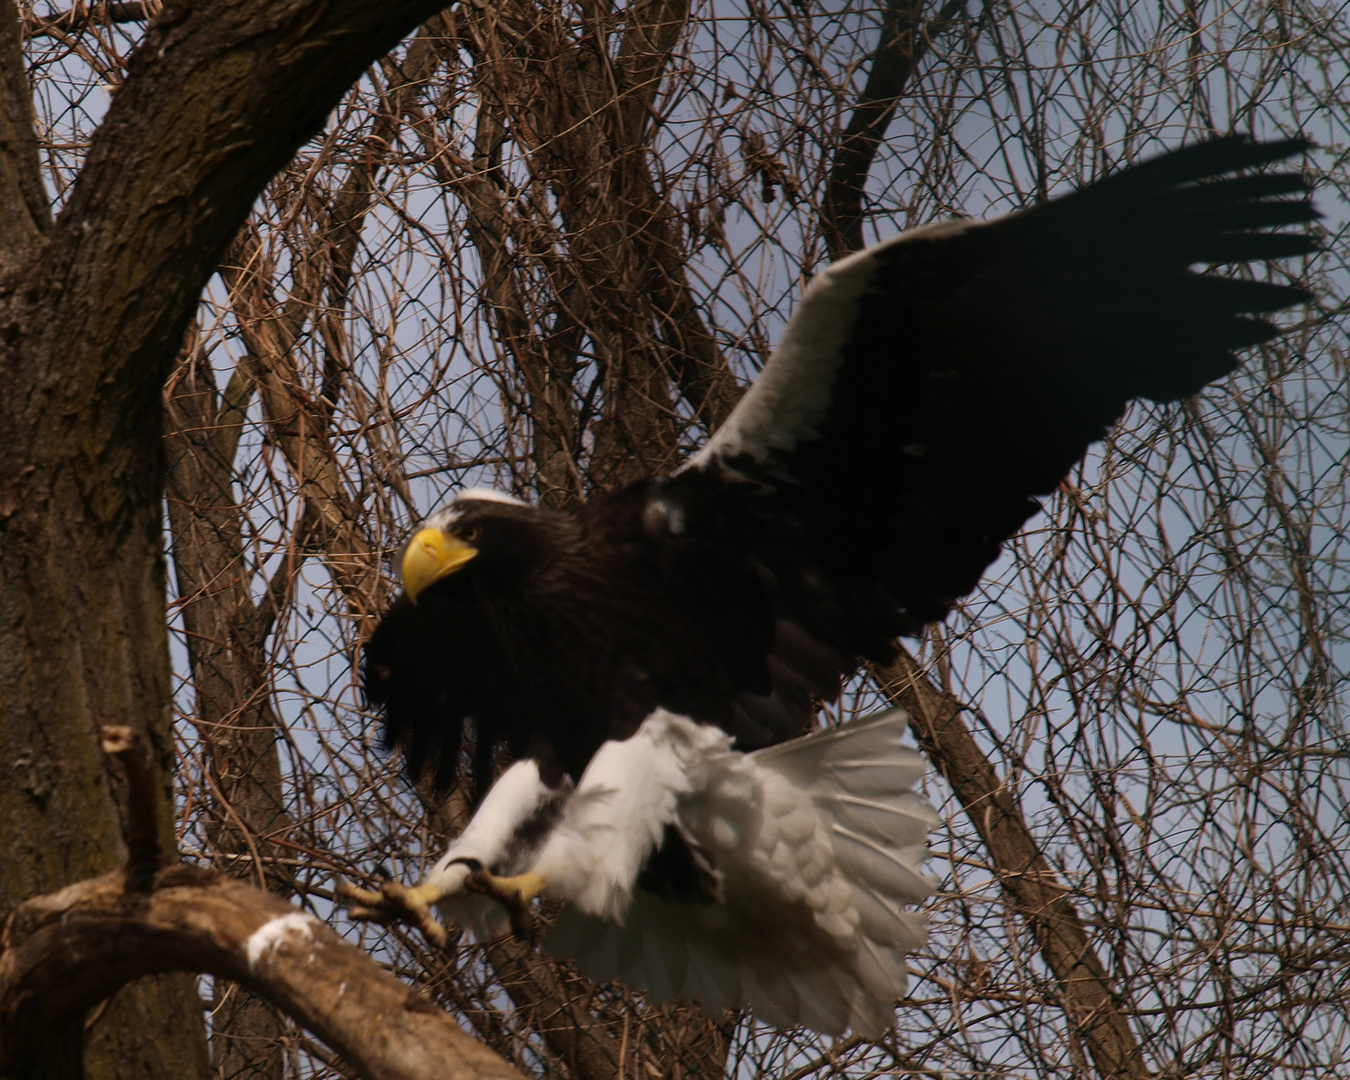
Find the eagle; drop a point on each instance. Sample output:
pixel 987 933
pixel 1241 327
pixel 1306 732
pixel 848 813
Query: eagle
pixel 652 661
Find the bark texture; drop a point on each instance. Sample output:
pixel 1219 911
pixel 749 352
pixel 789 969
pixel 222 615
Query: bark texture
pixel 93 309
pixel 24 213
pixel 64 953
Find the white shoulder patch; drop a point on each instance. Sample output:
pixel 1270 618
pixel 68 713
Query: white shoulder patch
pixel 792 394
pixel 487 494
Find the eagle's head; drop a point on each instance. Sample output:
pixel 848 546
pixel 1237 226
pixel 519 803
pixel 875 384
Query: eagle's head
pixel 495 538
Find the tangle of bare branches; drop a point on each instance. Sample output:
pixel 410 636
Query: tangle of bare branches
pixel 544 245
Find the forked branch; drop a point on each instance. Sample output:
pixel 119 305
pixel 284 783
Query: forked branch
pixel 905 40
pixel 62 954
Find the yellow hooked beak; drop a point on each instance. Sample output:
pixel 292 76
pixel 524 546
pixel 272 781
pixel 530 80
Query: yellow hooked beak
pixel 430 556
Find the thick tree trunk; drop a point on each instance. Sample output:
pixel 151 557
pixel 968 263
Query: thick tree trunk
pixel 82 644
pixel 92 310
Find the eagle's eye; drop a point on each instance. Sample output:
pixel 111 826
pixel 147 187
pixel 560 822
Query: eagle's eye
pixel 470 534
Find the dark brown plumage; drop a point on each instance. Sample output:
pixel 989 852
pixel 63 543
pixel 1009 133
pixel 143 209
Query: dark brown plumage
pixel 925 394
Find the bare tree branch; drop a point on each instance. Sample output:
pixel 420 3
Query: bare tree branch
pixel 904 42
pixel 558 1007
pixel 1089 1002
pixel 83 14
pixel 586 122
pixel 545 360
pixel 701 371
pixel 63 953
pixel 300 426
pixel 140 830
pixel 226 636
pixel 664 1041
pixel 177 162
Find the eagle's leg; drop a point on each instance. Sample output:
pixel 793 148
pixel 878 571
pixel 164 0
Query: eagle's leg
pixel 517 802
pixel 513 893
pixel 396 902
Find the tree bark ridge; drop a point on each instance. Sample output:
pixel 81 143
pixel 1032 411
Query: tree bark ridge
pixel 24 211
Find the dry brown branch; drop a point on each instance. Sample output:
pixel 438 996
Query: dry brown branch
pixel 226 634
pixel 290 407
pixel 299 413
pixel 140 829
pixel 226 630
pixel 62 954
pixel 558 1007
pixel 905 39
pixel 563 1008
pixel 83 14
pixel 1040 898
pixel 545 360
pixel 701 371
pixel 585 123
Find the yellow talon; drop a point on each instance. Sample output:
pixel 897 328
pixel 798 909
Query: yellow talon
pixel 396 902
pixel 513 893
pixel 524 887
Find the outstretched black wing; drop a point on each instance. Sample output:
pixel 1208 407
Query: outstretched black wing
pixel 927 390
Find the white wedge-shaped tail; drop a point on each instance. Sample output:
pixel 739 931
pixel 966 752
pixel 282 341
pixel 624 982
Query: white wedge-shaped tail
pixel 816 846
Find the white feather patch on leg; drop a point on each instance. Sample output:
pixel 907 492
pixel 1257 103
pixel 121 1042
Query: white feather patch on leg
pixel 616 818
pixel 501 838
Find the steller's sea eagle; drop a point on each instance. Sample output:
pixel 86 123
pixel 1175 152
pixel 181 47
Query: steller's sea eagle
pixel 652 659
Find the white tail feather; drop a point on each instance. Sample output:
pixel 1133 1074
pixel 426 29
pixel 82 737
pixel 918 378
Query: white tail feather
pixel 905 820
pixel 817 843
pixel 869 862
